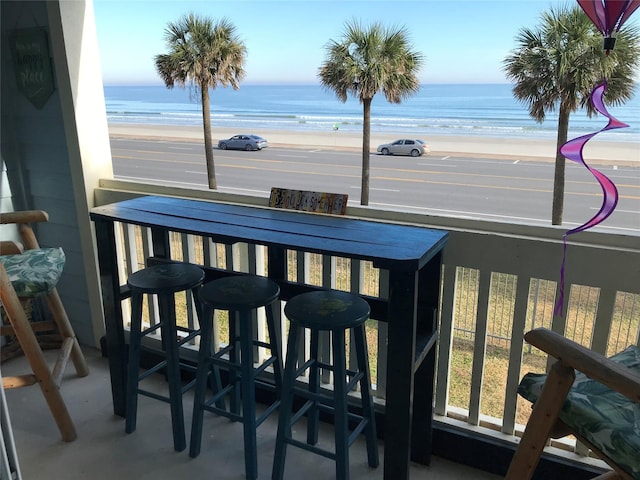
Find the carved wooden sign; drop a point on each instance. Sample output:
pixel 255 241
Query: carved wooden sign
pixel 317 202
pixel 32 64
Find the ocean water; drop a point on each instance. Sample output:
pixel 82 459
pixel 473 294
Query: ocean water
pixel 487 110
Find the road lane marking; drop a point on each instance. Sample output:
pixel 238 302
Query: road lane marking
pixel 444 165
pixel 619 177
pixel 463 213
pixel 432 182
pixel 618 210
pixel 479 216
pixel 378 189
pixel 156 180
pixel 412 171
pixel 222 189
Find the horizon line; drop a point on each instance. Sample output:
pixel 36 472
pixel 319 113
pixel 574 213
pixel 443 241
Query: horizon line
pixel 280 84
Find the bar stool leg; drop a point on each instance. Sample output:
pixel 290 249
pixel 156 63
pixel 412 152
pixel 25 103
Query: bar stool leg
pixel 341 405
pixel 234 358
pixel 212 372
pixel 173 375
pixel 313 414
pixel 366 395
pixel 276 349
pixel 215 381
pixel 131 408
pixel 248 395
pixel 206 329
pixel 286 404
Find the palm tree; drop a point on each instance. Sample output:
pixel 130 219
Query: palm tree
pixel 203 54
pixel 365 62
pixel 557 65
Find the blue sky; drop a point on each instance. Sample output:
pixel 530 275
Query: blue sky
pixel 462 41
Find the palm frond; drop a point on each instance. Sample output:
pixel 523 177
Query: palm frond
pixel 202 53
pixel 368 60
pixel 562 60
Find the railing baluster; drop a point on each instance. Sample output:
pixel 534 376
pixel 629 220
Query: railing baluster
pixel 304 260
pixel 257 267
pixel 445 341
pixel 383 335
pixel 523 284
pixel 189 255
pixel 210 259
pixel 603 320
pixel 147 251
pixel 124 264
pixel 324 339
pixel 479 347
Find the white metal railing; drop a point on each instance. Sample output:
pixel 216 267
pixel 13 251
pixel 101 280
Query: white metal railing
pixel 498 281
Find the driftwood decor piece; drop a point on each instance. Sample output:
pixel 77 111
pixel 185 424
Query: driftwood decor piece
pixel 306 201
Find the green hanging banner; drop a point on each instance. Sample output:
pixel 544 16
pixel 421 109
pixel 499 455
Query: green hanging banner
pixel 32 64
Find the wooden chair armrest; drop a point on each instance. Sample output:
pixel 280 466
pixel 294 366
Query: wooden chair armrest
pixel 26 216
pixel 23 219
pixel 9 247
pixel 592 364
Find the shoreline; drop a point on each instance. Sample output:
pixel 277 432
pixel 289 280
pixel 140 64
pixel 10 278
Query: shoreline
pixel 602 152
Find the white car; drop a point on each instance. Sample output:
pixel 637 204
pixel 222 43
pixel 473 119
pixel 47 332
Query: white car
pixel 404 146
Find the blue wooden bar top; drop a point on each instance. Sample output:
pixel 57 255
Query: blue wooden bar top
pixel 412 256
pixel 387 245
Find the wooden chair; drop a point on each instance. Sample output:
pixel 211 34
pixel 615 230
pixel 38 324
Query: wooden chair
pixel 16 294
pixel 599 405
pixel 60 322
pixel 49 383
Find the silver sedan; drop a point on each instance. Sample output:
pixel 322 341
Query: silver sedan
pixel 404 146
pixel 243 142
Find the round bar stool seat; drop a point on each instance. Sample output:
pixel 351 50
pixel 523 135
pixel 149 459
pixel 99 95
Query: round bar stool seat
pixel 335 312
pixel 168 278
pixel 241 296
pixel 164 281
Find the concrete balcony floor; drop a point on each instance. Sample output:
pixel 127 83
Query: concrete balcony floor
pixel 103 451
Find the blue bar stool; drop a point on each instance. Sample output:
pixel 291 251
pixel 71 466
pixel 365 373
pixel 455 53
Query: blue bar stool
pixel 334 312
pixel 164 281
pixel 240 295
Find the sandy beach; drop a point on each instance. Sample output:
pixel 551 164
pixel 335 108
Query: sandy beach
pixel 595 152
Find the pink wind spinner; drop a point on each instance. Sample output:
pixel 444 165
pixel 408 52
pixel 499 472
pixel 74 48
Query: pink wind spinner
pixel 608 17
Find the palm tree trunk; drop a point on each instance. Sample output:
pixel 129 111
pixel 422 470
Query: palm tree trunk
pixel 208 144
pixel 558 181
pixel 366 140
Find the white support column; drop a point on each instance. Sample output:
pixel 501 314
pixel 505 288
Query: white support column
pixel 74 48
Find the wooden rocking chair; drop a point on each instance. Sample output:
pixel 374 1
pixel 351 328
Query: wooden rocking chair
pixel 600 406
pixel 23 275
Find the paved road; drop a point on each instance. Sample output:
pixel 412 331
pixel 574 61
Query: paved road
pixel 481 188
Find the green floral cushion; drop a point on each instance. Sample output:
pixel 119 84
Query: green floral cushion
pixel 34 272
pixel 607 419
